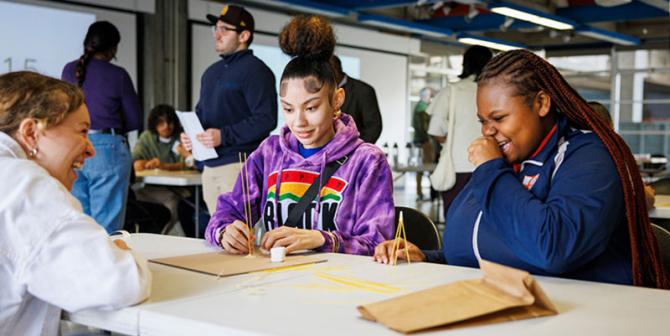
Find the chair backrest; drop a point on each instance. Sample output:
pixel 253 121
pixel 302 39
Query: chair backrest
pixel 662 186
pixel 663 238
pixel 420 230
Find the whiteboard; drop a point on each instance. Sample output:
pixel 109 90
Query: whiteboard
pixel 46 44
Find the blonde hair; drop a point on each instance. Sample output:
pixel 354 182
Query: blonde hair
pixel 25 94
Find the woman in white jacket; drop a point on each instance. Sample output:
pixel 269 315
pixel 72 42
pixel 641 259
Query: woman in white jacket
pixel 52 256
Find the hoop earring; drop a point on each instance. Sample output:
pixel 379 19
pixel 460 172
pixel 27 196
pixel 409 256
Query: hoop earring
pixel 32 153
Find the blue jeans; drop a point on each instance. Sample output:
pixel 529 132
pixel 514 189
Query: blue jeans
pixel 102 184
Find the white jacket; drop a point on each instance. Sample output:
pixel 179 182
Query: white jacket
pixel 53 256
pixel 466 125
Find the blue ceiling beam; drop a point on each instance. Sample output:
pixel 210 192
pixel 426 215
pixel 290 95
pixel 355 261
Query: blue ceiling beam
pixel 595 13
pixel 318 7
pixel 378 4
pixel 480 23
pixel 405 25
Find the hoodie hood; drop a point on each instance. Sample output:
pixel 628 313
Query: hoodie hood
pixel 345 141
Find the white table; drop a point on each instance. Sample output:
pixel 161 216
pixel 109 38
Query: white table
pixel 300 302
pixel 661 207
pixel 176 178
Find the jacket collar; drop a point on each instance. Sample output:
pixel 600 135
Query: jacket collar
pixel 9 146
pixel 236 56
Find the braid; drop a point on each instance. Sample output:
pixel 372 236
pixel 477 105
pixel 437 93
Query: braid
pixel 80 68
pixel 529 74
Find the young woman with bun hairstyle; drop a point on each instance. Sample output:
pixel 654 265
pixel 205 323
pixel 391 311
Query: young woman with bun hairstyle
pixel 555 190
pixel 353 211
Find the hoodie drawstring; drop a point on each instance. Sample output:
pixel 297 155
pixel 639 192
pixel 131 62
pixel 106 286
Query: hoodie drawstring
pixel 276 197
pixel 317 209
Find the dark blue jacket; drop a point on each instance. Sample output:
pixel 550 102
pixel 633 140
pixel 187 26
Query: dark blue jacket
pixel 561 215
pixel 238 96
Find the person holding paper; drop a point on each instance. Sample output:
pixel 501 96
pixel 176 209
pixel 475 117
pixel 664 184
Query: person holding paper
pixel 238 102
pixel 102 185
pixel 52 255
pixel 351 207
pixel 555 190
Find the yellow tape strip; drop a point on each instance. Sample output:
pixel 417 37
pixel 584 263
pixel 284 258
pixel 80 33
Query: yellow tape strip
pixel 370 286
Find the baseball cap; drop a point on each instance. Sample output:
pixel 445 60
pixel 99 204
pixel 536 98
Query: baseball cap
pixel 236 16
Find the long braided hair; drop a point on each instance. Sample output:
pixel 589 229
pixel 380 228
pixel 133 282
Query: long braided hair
pixel 529 74
pixel 101 37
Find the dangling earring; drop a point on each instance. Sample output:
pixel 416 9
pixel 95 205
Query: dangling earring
pixel 32 153
pixel 337 114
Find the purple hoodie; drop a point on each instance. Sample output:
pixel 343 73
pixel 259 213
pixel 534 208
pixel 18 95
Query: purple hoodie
pixel 356 204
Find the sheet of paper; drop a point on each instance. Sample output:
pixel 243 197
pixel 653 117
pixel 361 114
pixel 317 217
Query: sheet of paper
pixel 192 126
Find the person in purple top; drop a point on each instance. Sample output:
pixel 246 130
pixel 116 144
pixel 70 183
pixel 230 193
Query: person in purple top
pixel 354 210
pixel 102 184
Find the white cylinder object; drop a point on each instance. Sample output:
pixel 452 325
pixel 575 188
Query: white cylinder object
pixel 277 254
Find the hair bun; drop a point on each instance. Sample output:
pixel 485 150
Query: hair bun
pixel 308 36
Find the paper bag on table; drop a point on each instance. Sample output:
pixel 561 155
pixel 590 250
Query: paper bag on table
pixel 504 294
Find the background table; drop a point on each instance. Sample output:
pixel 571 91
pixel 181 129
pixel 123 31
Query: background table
pixel 661 207
pixel 301 301
pixel 176 178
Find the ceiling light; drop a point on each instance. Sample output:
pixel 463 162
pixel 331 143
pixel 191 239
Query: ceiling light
pixel 605 35
pixel 489 42
pixel 531 15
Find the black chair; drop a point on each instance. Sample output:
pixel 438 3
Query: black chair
pixel 662 186
pixel 663 238
pixel 420 230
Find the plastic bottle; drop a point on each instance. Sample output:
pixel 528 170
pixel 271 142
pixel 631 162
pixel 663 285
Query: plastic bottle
pixel 394 154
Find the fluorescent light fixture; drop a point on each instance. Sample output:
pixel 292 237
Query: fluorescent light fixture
pixel 489 42
pixel 605 35
pixel 531 15
pixel 404 25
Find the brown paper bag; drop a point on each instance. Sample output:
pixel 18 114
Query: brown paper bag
pixel 504 294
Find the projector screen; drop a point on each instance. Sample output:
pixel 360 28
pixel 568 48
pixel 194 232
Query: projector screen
pixel 43 36
pixel 387 73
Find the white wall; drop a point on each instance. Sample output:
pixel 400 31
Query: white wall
pixel 49 45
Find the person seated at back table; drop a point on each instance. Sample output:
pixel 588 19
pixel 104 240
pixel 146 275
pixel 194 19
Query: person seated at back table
pixel 158 147
pixel 555 190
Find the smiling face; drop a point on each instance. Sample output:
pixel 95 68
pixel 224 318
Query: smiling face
pixel 64 147
pixel 516 127
pixel 309 116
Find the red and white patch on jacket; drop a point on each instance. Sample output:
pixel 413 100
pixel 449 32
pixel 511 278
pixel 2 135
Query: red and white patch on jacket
pixel 529 181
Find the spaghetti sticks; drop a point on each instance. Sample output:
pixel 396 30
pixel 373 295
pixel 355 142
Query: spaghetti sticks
pixel 246 200
pixel 396 241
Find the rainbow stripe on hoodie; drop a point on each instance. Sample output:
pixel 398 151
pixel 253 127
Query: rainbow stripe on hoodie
pixel 294 185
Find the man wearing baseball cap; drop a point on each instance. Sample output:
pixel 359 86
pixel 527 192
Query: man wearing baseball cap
pixel 238 102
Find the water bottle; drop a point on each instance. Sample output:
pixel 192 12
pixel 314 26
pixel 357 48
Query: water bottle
pixel 385 149
pixel 394 154
pixel 410 155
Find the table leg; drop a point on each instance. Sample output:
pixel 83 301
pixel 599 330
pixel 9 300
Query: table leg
pixel 197 211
